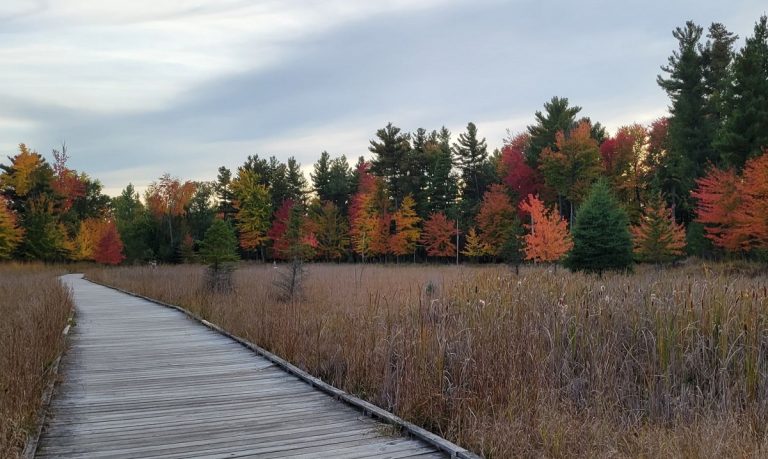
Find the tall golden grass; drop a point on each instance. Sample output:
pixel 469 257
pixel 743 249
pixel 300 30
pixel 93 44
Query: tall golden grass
pixel 34 308
pixel 663 362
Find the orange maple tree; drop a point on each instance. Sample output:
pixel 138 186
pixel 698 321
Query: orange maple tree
pixel 548 239
pixel 438 235
pixel 168 198
pixel 752 214
pixel 719 198
pixel 495 219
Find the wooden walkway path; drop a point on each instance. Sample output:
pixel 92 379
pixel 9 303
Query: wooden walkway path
pixel 142 380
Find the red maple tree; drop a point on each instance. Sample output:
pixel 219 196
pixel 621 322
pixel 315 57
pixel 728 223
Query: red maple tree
pixel 281 244
pixel 439 235
pixel 109 250
pixel 517 175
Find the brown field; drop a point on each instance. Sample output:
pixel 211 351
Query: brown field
pixel 663 362
pixel 33 312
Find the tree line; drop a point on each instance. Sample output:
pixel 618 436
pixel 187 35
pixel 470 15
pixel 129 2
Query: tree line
pixel 693 182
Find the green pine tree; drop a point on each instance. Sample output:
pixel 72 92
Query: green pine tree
pixel 601 238
pixel 390 152
pixel 219 244
pixel 218 249
pixel 690 134
pixel 745 131
pixel 557 116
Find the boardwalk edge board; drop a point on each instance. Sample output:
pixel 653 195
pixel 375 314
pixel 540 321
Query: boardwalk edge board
pixel 369 409
pixel 33 438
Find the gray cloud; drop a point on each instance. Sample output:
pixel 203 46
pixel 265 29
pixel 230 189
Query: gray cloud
pixel 330 87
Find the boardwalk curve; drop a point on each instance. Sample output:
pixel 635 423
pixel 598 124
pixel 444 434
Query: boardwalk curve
pixel 141 380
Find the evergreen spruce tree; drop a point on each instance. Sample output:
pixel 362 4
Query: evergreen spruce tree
pixel 690 135
pixel 717 55
pixel 340 183
pixel 557 116
pixel 471 157
pixel 390 152
pixel 745 131
pixel 442 183
pixel 218 249
pixel 601 238
pixel 224 193
pixel 296 189
pixel 321 176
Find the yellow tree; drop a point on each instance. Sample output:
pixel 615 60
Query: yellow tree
pixel 573 165
pixel 407 232
pixel 253 205
pixel 548 239
pixel 658 238
pixel 475 247
pixel 10 233
pixel 24 172
pixel 88 237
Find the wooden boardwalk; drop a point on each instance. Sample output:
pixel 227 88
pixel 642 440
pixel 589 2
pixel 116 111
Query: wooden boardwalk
pixel 141 380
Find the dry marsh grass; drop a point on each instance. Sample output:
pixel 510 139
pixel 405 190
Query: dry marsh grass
pixel 669 362
pixel 34 308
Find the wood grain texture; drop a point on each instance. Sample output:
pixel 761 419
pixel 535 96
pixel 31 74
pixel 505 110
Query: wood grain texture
pixel 141 380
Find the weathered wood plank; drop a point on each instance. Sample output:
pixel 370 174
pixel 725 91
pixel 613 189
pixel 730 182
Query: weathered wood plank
pixel 140 380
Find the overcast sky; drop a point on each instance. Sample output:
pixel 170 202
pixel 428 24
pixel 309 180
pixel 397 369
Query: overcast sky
pixel 138 88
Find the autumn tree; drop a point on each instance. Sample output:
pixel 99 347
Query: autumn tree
pixel 623 160
pixel 277 232
pixel 658 238
pixel 10 233
pixel 66 182
pixel 547 239
pixel 519 177
pixel 253 205
pixel 407 232
pixel 719 198
pixel 495 219
pixel 109 249
pixel 331 231
pixel 752 214
pixel 439 235
pixel 28 175
pixel 90 233
pixel 573 165
pixel 474 246
pixel 167 200
pixel 601 237
pixel 368 215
